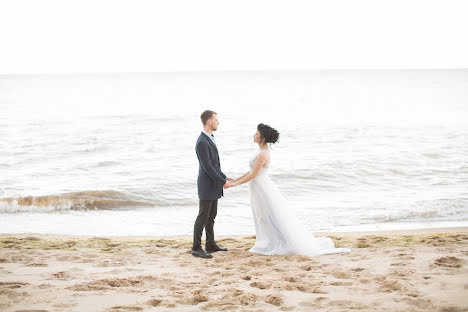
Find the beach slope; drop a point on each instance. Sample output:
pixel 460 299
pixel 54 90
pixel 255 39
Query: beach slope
pixel 417 270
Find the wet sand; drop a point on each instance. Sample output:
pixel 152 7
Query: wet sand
pixel 416 270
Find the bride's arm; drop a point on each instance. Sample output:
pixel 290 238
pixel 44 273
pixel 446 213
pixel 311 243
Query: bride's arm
pixel 239 178
pixel 251 174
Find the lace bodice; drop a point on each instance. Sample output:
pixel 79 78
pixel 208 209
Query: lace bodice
pixel 252 161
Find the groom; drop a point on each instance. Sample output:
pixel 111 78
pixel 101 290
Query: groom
pixel 211 182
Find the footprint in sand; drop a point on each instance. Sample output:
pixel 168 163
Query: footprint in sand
pixel 102 264
pixel 448 262
pixel 279 270
pixel 246 277
pixel 402 274
pixel 126 308
pixel 16 259
pixel 37 264
pixel 357 269
pixel 276 300
pixel 425 304
pixel 413 294
pixel 247 299
pixel 154 302
pixel 341 283
pixel 404 256
pixel 68 258
pixel 12 285
pixel 303 287
pixel 289 278
pixel 452 308
pixel 61 275
pixel 197 299
pixel 261 285
pixel 340 274
pixel 108 283
pixel 391 285
pixel 306 267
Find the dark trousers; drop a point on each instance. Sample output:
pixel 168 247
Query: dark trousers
pixel 205 219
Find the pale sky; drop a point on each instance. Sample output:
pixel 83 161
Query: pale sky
pixel 147 36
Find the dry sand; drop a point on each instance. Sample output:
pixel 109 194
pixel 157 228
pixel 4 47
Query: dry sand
pixel 420 270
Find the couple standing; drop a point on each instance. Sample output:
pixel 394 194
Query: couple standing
pixel 278 231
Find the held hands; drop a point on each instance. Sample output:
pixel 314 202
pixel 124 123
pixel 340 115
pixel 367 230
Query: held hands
pixel 228 183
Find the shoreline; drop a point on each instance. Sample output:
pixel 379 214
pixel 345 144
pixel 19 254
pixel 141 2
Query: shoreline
pixel 402 270
pixel 325 233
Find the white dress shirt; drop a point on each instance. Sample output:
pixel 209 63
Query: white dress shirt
pixel 209 135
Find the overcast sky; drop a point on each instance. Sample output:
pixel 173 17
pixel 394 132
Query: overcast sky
pixel 144 36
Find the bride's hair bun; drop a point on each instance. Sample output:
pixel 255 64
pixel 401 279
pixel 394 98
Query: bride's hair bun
pixel 271 135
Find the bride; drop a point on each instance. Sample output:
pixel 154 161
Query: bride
pixel 278 231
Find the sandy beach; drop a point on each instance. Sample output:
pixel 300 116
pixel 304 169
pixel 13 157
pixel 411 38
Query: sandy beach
pixel 417 270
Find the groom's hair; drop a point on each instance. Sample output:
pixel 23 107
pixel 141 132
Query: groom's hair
pixel 206 115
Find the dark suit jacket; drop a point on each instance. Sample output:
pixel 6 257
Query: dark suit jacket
pixel 210 177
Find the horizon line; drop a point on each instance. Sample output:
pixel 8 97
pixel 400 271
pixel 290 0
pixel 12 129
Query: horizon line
pixel 210 71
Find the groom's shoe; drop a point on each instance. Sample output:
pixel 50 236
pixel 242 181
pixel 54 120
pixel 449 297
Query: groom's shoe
pixel 214 248
pixel 201 254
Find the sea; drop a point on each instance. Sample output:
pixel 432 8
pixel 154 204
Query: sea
pixel 114 154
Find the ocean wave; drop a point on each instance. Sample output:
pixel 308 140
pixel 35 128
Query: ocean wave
pixel 106 163
pixel 84 200
pixel 439 209
pixel 303 175
pixel 405 216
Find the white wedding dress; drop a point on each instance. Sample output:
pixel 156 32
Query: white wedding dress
pixel 278 231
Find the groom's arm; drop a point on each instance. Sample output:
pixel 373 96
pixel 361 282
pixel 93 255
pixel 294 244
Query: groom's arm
pixel 207 165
